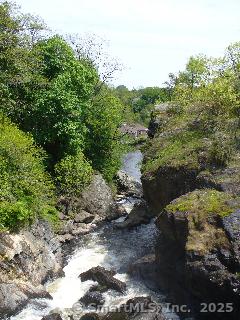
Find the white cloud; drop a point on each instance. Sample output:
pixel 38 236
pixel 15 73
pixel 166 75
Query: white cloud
pixel 151 37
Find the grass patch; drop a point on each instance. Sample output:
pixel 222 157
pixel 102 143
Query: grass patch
pixel 177 150
pixel 203 202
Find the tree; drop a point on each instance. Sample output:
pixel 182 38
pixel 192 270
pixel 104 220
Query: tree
pixel 103 145
pixel 53 112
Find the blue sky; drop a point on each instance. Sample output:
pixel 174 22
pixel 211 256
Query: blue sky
pixel 150 37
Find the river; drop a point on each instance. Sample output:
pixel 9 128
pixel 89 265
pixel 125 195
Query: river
pixel 107 247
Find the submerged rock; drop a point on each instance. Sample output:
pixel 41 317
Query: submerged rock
pixel 104 277
pixel 92 298
pixel 91 316
pixel 145 269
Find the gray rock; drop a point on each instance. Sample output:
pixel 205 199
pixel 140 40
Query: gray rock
pixel 80 229
pixel 140 214
pixel 53 316
pixel 92 298
pixel 128 185
pixel 84 217
pixel 65 238
pixel 15 295
pixel 145 269
pixel 138 308
pixel 167 184
pixel 91 316
pixel 27 259
pixel 198 254
pixel 97 198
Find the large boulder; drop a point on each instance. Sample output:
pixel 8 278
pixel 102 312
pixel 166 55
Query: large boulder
pixel 15 295
pixel 27 260
pixel 104 277
pixel 97 197
pixel 128 185
pixel 94 203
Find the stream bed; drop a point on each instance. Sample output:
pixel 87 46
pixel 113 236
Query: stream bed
pixel 107 247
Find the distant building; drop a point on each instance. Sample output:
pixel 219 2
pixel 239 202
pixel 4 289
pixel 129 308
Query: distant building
pixel 135 130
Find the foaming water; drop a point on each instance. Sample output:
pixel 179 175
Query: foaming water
pixel 108 247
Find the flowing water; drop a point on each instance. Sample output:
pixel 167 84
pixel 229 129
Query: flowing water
pixel 108 247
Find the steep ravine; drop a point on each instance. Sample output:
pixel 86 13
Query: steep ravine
pixel 111 248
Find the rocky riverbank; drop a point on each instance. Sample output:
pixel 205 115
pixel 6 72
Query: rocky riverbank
pixel 31 257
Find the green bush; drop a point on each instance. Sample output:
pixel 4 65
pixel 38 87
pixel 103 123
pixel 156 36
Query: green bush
pixel 26 190
pixel 73 173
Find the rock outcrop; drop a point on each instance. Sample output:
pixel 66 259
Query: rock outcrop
pixel 167 184
pixel 79 215
pixel 27 260
pixel 53 316
pixel 198 250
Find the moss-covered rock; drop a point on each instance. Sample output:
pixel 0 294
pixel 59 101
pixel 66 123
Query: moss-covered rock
pixel 199 245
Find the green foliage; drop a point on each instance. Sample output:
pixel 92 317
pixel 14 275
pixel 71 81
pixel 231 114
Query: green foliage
pixel 26 190
pixel 179 150
pixel 103 146
pixel 73 174
pixel 138 104
pixel 54 113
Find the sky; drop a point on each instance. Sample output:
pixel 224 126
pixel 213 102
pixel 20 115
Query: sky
pixel 151 38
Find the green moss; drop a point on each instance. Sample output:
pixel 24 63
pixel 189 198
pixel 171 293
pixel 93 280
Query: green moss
pixel 204 202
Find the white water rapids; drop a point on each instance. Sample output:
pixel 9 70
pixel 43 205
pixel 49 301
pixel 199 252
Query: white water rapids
pixel 108 247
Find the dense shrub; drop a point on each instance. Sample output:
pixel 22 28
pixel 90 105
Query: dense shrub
pixel 26 190
pixel 73 173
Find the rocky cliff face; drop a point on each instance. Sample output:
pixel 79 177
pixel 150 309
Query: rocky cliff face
pixel 27 260
pixel 198 249
pixel 197 204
